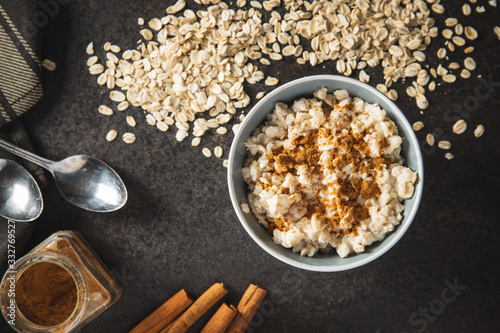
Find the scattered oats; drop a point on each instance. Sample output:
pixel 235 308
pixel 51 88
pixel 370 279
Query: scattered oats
pixel 432 86
pixel 417 126
pixel 449 78
pixel 103 109
pixel 451 22
pixel 256 4
pixel 198 62
pixel 96 69
pixel 451 46
pixel 275 56
pixel 150 119
pixel 102 79
pixel 447 33
pixel 177 7
pixel 271 81
pixel 470 33
pixel 218 151
pixel 110 83
pixel 465 74
pixel 128 137
pixel 448 156
pixel 460 126
pixel 466 9
pixel 288 50
pixel 107 46
pixel 115 48
pixel 459 29
pixel 122 106
pixel 162 126
pixel 264 61
pixel 259 95
pixel 443 144
pixel 392 94
pixel 221 130
pixel 433 72
pixel 441 71
pixel 423 79
pixel 117 96
pixel 469 63
pixel 419 56
pixel 131 121
pixel 382 88
pixel 155 24
pixel 206 152
pixel 469 49
pixel 225 163
pixel 437 8
pixel 454 65
pixel 113 58
pixel 441 53
pixel 235 128
pixel 496 30
pixel 49 64
pixel 410 91
pixel 422 102
pixel 195 142
pixel 111 135
pixel 363 77
pixel 492 3
pixel 140 21
pixel 480 9
pixel 414 44
pixel 181 135
pixel 458 41
pixel 245 208
pixel 478 132
pixel 127 55
pixel 430 139
pixel 147 34
pixel 92 60
pixel 90 48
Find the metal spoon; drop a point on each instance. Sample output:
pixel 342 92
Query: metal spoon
pixel 20 197
pixel 83 180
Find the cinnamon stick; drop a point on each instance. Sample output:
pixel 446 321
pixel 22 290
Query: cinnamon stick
pixel 197 309
pixel 162 316
pixel 247 307
pixel 221 319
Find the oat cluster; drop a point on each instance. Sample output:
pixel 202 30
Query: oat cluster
pixel 189 68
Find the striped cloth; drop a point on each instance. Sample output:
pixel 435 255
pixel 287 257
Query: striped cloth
pixel 20 89
pixel 20 72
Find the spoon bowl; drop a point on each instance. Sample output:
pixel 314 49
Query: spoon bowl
pixel 89 183
pixel 20 197
pixel 83 180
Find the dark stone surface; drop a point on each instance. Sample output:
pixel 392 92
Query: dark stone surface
pixel 178 229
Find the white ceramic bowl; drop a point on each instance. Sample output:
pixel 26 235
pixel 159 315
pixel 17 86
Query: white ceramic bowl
pixel 287 93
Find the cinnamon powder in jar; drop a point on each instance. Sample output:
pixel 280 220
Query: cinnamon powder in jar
pixel 46 294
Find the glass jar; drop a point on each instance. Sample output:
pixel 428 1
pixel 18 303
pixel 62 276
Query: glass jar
pixel 96 288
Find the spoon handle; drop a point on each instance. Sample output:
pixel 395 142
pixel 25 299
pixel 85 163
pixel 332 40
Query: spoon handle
pixel 29 156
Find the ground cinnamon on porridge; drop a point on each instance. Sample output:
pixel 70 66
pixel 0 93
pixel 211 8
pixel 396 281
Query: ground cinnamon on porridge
pixel 327 172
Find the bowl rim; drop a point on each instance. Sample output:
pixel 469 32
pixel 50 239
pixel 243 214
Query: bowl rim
pixel 401 228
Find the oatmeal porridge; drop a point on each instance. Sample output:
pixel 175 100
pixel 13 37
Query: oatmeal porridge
pixel 327 172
